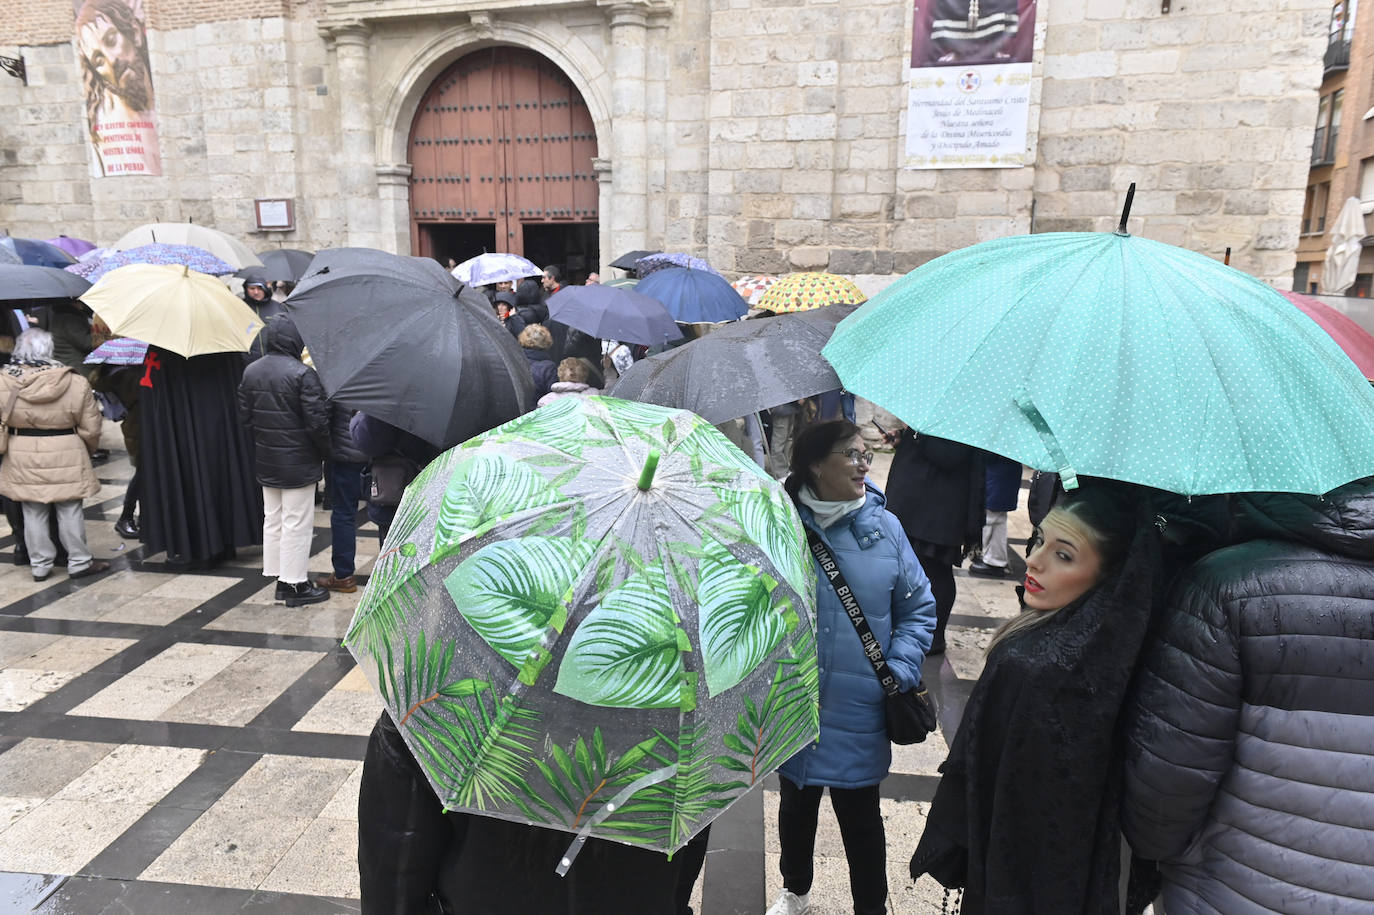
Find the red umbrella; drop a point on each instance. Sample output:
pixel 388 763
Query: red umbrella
pixel 1357 342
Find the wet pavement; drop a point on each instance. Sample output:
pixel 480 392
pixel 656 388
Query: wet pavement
pixel 181 743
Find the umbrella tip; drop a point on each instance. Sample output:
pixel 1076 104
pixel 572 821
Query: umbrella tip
pixel 185 270
pixel 646 476
pixel 1227 258
pixel 1126 210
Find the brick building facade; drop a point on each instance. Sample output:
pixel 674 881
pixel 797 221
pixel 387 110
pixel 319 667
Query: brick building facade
pixel 765 135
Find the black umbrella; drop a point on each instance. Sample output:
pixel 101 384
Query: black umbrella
pixel 400 339
pixel 741 368
pixel 285 265
pixel 627 261
pixel 613 313
pixel 19 282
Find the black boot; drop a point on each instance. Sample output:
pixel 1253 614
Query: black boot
pixel 305 592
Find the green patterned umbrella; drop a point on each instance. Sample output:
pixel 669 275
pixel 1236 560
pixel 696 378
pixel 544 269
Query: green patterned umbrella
pixel 596 617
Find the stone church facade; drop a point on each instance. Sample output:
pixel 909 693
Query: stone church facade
pixel 763 135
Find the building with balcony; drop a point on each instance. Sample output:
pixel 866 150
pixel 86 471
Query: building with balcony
pixel 1342 161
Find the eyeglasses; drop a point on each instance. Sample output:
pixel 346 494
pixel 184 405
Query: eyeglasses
pixel 857 457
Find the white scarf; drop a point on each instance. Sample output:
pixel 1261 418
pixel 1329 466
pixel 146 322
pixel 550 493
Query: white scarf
pixel 827 513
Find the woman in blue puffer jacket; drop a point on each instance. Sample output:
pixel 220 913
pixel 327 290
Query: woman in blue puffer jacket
pixel 829 466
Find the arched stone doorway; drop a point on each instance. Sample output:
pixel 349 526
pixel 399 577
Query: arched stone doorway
pixel 501 151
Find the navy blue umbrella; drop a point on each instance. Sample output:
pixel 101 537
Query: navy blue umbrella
pixel 613 313
pixel 694 296
pixel 37 253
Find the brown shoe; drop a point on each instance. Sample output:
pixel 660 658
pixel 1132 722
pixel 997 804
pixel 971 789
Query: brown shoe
pixel 342 585
pixel 95 568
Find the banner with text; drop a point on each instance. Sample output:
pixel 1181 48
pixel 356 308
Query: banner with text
pixel 111 41
pixel 968 95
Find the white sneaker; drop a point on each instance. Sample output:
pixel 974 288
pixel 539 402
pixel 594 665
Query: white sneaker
pixel 791 904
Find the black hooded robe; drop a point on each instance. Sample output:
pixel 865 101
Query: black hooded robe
pixel 200 497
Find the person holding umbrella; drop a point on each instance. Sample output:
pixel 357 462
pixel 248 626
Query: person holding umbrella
pixel 282 404
pixel 848 517
pixel 257 295
pixel 53 428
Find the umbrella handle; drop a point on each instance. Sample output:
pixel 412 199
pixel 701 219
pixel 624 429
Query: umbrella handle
pixel 1067 475
pixel 614 804
pixel 646 476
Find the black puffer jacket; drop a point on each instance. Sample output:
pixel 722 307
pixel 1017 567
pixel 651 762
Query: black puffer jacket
pixel 341 445
pixel 935 488
pixel 1250 766
pixel 282 403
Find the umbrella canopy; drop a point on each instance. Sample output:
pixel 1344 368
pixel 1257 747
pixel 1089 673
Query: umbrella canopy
pixel 1354 340
pixel 198 259
pixel 628 261
pixel 284 265
pixel 37 253
pixel 174 308
pixel 1113 356
pixel 612 313
pixel 625 282
pixel 7 256
pixel 652 263
pixel 1343 257
pixel 227 248
pixel 73 246
pixel 485 269
pixel 751 287
pixel 804 291
pixel 402 340
pixel 740 368
pixel 693 296
pixel 21 281
pixel 598 618
pixel 119 351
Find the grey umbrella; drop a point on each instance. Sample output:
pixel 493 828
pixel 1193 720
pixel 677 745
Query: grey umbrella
pixel 400 339
pixel 20 282
pixel 741 368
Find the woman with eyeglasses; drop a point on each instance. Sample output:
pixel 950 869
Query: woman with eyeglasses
pixel 828 483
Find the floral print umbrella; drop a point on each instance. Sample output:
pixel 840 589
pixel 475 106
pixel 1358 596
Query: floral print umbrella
pixel 653 262
pixel 198 259
pixel 597 617
pixel 751 287
pixel 804 291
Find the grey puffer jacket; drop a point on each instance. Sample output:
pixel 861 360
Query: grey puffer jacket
pixel 282 402
pixel 1250 771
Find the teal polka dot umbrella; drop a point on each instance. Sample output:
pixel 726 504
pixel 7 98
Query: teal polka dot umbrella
pixel 1113 356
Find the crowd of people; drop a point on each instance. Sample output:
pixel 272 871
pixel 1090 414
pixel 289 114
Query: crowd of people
pixel 1182 713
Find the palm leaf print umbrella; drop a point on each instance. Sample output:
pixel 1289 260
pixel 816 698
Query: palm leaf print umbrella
pixel 596 617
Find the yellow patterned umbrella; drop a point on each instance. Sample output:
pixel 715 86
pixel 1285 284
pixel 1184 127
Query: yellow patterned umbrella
pixel 804 291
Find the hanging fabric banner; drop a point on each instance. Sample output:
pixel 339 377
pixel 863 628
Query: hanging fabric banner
pixel 111 41
pixel 968 96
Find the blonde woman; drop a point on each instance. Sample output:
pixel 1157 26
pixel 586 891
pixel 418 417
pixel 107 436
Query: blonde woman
pixel 1026 815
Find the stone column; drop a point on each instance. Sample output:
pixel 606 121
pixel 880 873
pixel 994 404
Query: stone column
pixel 628 214
pixel 393 203
pixel 357 161
pixel 605 241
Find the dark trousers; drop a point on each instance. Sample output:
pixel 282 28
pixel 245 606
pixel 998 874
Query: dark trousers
pixel 861 828
pixel 941 575
pixel 346 488
pixel 133 494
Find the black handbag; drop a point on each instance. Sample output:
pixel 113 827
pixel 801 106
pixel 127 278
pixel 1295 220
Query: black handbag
pixel 910 715
pixel 387 478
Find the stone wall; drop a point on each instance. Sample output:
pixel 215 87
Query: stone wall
pixel 765 135
pixel 243 111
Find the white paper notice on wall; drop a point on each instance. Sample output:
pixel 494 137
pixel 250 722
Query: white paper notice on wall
pixel 968 86
pixel 971 117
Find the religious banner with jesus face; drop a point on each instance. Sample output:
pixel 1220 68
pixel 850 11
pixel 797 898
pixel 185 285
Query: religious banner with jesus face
pixel 111 43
